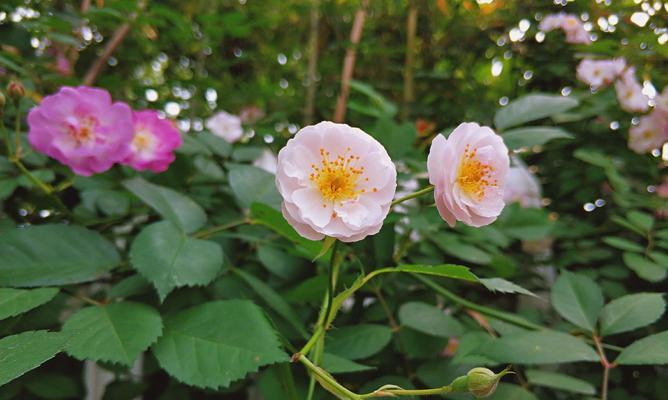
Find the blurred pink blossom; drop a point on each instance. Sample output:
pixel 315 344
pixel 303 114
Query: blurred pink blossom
pixel 226 126
pixel 629 92
pixel 154 142
pixel 522 186
pixel 570 24
pixel 651 133
pixel 468 170
pixel 267 161
pixel 81 128
pixel 600 72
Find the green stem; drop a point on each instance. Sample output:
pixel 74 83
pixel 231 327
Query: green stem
pixel 327 380
pixel 17 129
pixel 333 275
pixel 205 233
pixel 413 195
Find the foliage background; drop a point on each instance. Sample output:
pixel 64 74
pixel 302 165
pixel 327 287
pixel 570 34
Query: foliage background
pixel 203 56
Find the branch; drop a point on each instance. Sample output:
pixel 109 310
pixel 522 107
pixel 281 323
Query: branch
pixel 349 62
pixel 309 109
pixel 411 27
pixel 116 39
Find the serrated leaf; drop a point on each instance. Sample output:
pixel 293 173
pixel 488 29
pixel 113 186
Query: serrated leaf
pixel 504 286
pixel 648 350
pixel 17 301
pixel 631 312
pixel 116 333
pixel 533 136
pixel 26 351
pixel 539 347
pixel 49 255
pixel 644 268
pixel 443 270
pixel 530 108
pixel 578 299
pixel 429 319
pixel 559 381
pixel 171 205
pixel 274 301
pixel 168 258
pixel 358 341
pixel 213 344
pixel 254 185
pixel 640 219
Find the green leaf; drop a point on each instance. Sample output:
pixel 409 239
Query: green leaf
pixel 213 344
pixel 443 270
pixel 217 144
pixel 273 300
pixel 168 258
pixel 640 219
pixel 532 136
pixel 530 108
pixel 525 223
pixel 338 365
pixel 47 255
pixel 358 341
pixel 49 385
pixel 559 381
pixel 264 215
pixel 645 268
pixel 578 299
pixel 648 350
pixel 254 185
pixel 631 312
pixel 428 319
pixel 504 286
pixel 17 301
pixel 539 347
pixel 116 333
pixel 28 350
pixel 623 244
pixel 171 205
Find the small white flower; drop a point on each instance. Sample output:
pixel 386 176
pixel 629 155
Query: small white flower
pixel 226 126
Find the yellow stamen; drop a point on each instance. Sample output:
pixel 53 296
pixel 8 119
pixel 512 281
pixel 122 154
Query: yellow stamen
pixel 336 179
pixel 473 176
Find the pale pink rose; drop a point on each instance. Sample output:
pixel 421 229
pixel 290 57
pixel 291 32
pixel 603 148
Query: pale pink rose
pixel 468 170
pixel 650 133
pixel 600 72
pixel 226 126
pixel 629 92
pixel 662 101
pixel 81 128
pixel 154 142
pixel 335 181
pixel 570 24
pixel 522 186
pixel 267 161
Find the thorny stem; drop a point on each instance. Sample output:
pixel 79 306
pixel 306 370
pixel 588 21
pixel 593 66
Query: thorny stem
pixel 413 195
pixel 606 366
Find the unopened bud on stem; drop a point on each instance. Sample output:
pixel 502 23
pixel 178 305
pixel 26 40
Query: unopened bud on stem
pixel 15 90
pixel 482 382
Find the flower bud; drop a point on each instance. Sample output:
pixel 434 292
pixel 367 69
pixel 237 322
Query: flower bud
pixel 15 90
pixel 3 101
pixel 482 382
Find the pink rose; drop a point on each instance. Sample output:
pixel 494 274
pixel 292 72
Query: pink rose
pixel 335 181
pixel 600 72
pixel 570 24
pixel 226 126
pixel 81 128
pixel 629 92
pixel 154 142
pixel 522 186
pixel 468 170
pixel 651 133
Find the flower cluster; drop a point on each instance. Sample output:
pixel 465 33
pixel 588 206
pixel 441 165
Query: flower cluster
pixel 338 181
pixel 597 73
pixel 570 24
pixel 81 128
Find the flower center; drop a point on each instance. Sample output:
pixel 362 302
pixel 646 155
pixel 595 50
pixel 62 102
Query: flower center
pixel 648 134
pixel 629 94
pixel 473 176
pixel 85 131
pixel 142 141
pixel 337 178
pixel 571 22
